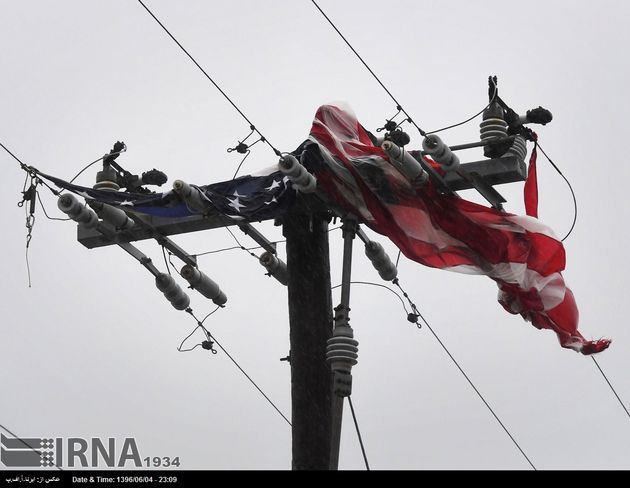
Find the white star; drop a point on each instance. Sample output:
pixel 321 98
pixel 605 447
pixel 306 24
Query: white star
pixel 273 200
pixel 126 202
pixel 235 204
pixel 274 184
pixel 237 195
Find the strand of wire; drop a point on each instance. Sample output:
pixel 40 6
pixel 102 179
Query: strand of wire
pixel 398 105
pixel 370 283
pixel 241 163
pixel 356 426
pixel 494 96
pixel 23 442
pixel 46 213
pixel 461 370
pixel 22 165
pixel 211 337
pixel 200 324
pixel 215 251
pixel 168 269
pixel 170 254
pixel 448 353
pixel 89 165
pixel 239 243
pixel 209 78
pixel 611 386
pixel 416 312
pixel 575 205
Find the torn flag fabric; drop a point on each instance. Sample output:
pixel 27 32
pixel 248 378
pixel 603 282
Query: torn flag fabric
pixel 264 195
pixel 519 253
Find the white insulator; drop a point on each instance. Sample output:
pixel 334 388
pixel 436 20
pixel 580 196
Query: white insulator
pixel 440 152
pixel 172 291
pixel 190 195
pixel 78 212
pixel 203 284
pixel 302 180
pixel 492 128
pixel 275 267
pixel 518 148
pixel 342 353
pixel 114 216
pixel 380 260
pixel 406 163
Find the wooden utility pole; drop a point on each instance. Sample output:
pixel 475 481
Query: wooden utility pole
pixel 311 321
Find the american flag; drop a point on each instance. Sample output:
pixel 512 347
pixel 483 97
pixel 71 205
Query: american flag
pixel 519 253
pixel 262 196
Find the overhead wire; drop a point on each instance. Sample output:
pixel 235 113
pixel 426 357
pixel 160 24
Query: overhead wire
pixel 22 165
pixel 241 164
pixel 168 269
pixel 494 96
pixel 461 370
pixel 419 314
pixel 378 285
pixel 216 85
pixel 199 325
pixel 213 338
pixel 575 204
pixel 398 105
pixel 611 386
pixel 46 213
pixel 89 165
pixel 356 426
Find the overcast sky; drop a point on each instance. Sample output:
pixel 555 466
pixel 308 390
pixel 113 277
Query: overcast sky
pixel 90 349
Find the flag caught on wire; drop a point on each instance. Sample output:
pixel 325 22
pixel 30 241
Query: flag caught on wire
pixel 519 253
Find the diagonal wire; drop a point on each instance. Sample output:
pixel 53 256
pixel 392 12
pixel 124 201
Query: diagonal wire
pixel 575 205
pixel 23 442
pixel 380 286
pixel 356 426
pixel 415 308
pixel 22 165
pixel 209 78
pixel 611 386
pixel 398 105
pixel 200 324
pixel 470 381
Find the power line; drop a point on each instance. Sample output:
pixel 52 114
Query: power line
pixel 24 442
pixel 238 242
pixel 494 96
pixel 241 164
pixel 356 426
pixel 379 285
pixel 611 386
pixel 415 309
pixel 46 213
pixel 478 392
pixel 210 336
pixel 22 165
pixel 575 205
pixel 116 153
pixel 398 105
pixel 211 80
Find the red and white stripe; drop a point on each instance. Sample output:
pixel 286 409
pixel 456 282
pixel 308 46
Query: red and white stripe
pixel 519 253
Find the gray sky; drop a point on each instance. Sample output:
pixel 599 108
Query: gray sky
pixel 90 349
